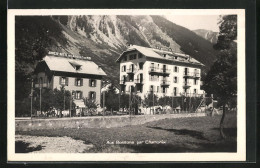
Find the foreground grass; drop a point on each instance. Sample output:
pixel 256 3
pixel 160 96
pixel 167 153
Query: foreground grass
pixel 198 134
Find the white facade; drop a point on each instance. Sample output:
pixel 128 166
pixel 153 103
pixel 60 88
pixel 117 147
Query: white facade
pixel 161 76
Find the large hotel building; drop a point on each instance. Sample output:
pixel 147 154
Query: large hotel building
pixel 162 72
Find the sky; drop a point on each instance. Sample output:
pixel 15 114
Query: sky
pixel 193 22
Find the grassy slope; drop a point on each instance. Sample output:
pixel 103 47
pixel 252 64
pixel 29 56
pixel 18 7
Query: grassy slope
pixel 181 135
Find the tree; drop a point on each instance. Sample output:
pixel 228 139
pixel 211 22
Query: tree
pixel 151 100
pixel 111 98
pixel 221 79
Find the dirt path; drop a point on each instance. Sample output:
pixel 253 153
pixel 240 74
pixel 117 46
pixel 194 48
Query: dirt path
pixel 41 144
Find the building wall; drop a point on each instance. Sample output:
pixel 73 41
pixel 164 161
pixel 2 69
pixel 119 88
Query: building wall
pixel 85 88
pixel 55 83
pixel 170 78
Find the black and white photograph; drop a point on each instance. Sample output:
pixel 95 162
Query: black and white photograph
pixel 123 85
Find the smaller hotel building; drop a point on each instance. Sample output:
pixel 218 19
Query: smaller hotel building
pixel 79 75
pixel 165 73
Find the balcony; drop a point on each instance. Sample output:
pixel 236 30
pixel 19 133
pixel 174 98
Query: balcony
pixel 165 83
pixel 139 81
pixel 186 84
pixel 44 85
pixel 161 71
pixel 130 71
pixel 188 75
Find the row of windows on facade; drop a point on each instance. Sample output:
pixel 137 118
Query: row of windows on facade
pixel 165 90
pixel 140 67
pixel 132 67
pixel 78 81
pixel 157 89
pixel 156 78
pixel 79 95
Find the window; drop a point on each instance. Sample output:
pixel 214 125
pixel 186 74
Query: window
pixel 123 68
pixel 140 55
pixel 78 82
pixel 141 64
pixel 164 55
pixel 131 77
pixel 125 58
pixel 176 69
pixel 186 71
pixel 64 81
pixel 92 95
pixel 75 65
pixel 195 82
pixel 175 79
pixel 92 83
pixel 132 56
pixel 77 94
pixel 195 91
pixel 175 57
pixel 175 91
pixel 151 88
pixel 164 90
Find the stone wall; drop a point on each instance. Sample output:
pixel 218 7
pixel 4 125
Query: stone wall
pixel 93 122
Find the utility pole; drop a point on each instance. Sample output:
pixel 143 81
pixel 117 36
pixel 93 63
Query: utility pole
pixel 70 105
pixel 130 103
pixel 153 103
pixel 119 98
pixel 31 98
pixel 64 99
pixel 41 98
pixel 104 96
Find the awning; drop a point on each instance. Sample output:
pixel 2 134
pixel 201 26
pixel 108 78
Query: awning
pixel 79 103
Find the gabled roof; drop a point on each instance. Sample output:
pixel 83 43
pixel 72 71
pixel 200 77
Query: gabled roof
pixel 63 64
pixel 159 54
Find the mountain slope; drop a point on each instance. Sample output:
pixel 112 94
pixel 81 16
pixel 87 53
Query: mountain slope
pixel 208 35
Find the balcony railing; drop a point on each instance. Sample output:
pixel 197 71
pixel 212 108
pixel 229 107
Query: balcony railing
pixel 187 74
pixel 186 84
pixel 191 74
pixel 139 81
pixel 130 70
pixel 159 70
pixel 43 85
pixel 165 83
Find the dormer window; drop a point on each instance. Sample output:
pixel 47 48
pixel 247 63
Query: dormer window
pixel 164 55
pixel 76 66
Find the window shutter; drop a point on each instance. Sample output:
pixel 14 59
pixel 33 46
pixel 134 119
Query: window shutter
pixel 81 82
pixel 94 97
pixel 81 94
pixel 67 81
pixel 89 95
pixel 60 80
pixel 89 82
pixel 73 94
